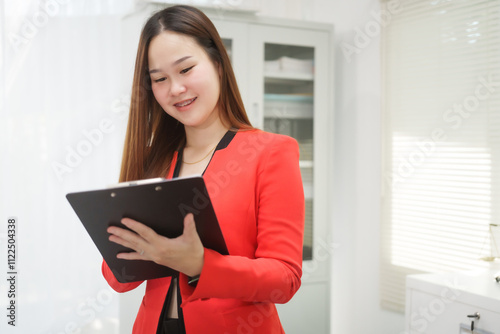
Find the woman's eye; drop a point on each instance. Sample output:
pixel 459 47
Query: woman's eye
pixel 159 80
pixel 186 69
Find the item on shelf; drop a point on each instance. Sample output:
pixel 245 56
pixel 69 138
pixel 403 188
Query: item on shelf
pixel 289 65
pixel 307 179
pixel 272 66
pixel 288 105
pixel 279 125
pixel 308 230
pixel 306 149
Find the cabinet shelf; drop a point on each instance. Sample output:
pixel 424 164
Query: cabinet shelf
pixel 289 98
pixel 288 78
pixel 292 106
pixel 287 112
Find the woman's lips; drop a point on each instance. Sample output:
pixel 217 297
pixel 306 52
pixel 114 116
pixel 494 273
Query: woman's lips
pixel 184 105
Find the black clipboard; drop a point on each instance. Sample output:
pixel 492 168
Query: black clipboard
pixel 158 203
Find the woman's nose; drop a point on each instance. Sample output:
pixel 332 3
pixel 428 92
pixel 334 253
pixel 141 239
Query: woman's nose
pixel 177 88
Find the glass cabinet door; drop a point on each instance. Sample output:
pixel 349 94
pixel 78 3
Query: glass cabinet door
pixel 234 36
pixel 288 100
pixel 290 94
pixel 283 76
pixel 228 43
pixel 288 108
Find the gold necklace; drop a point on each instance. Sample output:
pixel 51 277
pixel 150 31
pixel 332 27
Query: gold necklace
pixel 192 163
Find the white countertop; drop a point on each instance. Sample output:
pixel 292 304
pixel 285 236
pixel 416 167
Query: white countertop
pixel 470 287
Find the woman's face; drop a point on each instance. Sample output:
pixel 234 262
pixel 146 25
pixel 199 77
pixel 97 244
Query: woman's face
pixel 184 80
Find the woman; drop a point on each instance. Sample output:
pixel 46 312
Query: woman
pixel 186 118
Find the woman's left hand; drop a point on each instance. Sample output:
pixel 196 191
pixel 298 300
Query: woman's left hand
pixel 184 253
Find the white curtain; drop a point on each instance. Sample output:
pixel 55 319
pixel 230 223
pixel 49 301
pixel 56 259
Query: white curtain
pixel 63 113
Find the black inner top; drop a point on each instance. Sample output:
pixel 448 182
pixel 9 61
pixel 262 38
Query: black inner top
pixel 223 143
pixel 176 326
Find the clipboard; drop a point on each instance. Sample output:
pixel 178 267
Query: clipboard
pixel 158 203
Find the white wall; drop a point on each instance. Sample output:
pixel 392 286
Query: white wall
pixel 357 152
pixel 356 269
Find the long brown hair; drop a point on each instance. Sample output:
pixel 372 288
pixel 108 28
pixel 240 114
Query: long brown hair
pixel 152 135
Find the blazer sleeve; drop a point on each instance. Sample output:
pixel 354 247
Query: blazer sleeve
pixel 274 274
pixel 113 282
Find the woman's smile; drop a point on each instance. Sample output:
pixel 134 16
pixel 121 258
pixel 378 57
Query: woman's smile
pixel 185 104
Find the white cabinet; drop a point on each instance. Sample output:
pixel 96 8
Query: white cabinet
pixel 446 303
pixel 285 73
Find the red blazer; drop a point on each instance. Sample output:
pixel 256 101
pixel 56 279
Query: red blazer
pixel 256 189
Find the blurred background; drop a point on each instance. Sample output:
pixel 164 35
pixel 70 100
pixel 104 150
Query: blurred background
pixel 398 120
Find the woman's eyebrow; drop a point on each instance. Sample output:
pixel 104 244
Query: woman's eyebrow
pixel 178 61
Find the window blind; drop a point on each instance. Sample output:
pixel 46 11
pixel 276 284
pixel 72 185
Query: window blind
pixel 441 139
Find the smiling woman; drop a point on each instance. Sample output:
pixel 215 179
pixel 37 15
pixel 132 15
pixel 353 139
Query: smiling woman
pixel 154 135
pixel 187 117
pixel 185 82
